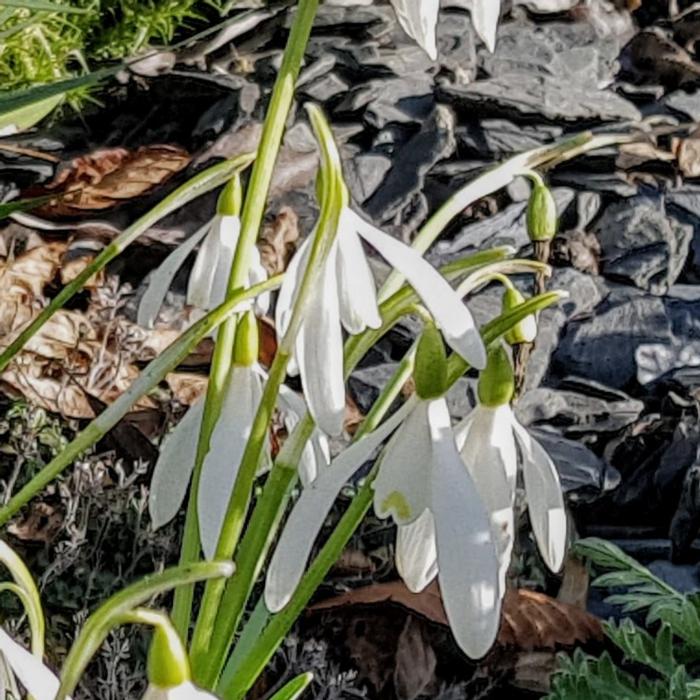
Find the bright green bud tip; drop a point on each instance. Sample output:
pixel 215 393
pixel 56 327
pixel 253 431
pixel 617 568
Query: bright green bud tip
pixel 524 331
pixel 231 197
pixel 541 213
pixel 168 666
pixel 246 346
pixel 430 372
pixel 496 382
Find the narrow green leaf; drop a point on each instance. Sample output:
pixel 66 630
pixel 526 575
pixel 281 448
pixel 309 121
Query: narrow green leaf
pixel 294 688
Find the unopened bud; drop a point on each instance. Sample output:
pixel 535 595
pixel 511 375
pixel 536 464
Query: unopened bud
pixel 168 665
pixel 231 197
pixel 430 372
pixel 496 382
pixel 523 331
pixel 247 343
pixel 541 212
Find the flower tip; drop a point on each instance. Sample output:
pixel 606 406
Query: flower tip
pixel 275 599
pixel 562 294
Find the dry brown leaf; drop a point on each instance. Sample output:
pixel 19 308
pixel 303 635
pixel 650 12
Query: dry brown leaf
pixel 530 621
pixel 108 177
pixel 687 152
pixel 415 661
pixel 637 153
pixel 278 241
pixel 41 523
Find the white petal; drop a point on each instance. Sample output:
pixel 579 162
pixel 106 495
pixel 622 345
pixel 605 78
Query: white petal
pixel 416 554
pixel 485 16
pixel 227 444
pixel 171 475
pixel 184 691
pixel 316 455
pixel 39 681
pixel 402 486
pixel 356 288
pixel 290 286
pixel 311 510
pixel 544 499
pixel 419 20
pixel 446 307
pixel 467 557
pixel 258 274
pixel 488 449
pixel 319 354
pixel 162 278
pixel 209 276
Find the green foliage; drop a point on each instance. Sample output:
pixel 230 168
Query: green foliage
pixel 43 42
pixel 658 662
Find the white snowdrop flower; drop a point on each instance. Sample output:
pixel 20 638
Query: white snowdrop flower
pixel 493 446
pixel 418 18
pixel 173 470
pixel 421 482
pixel 346 297
pixel 39 681
pixel 208 280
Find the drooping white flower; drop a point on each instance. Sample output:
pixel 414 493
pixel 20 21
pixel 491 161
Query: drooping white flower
pixel 173 470
pixel 209 277
pixel 418 18
pixel 494 446
pixel 346 296
pixel 39 681
pixel 421 480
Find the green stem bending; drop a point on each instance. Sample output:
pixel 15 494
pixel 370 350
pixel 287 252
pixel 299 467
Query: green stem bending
pixel 251 219
pixel 197 186
pixel 119 606
pixel 146 381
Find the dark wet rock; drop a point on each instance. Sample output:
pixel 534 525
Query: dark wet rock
pixel 497 138
pixel 434 142
pixel 687 103
pixel 364 173
pixel 579 407
pixel 642 244
pixel 551 70
pixel 584 476
pixel 655 360
pixel 602 347
pixel 686 520
pixel 611 183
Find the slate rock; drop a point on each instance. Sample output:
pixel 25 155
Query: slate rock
pixel 642 244
pixel 584 476
pixel 578 408
pixel 552 70
pixel 602 347
pixel 410 164
pixel 497 138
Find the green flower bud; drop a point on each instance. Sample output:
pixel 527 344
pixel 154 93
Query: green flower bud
pixel 430 372
pixel 246 346
pixel 231 197
pixel 168 665
pixel 541 212
pixel 496 382
pixel 524 331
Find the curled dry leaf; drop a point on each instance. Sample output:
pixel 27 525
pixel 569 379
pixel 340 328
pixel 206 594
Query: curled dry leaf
pixel 108 177
pixel 75 355
pixel 278 241
pixel 531 621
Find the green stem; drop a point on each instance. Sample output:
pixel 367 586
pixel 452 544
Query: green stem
pixel 120 605
pixel 197 186
pixel 251 219
pixel 146 381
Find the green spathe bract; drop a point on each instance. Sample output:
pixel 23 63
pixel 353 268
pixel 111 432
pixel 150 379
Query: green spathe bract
pixel 541 212
pixel 496 382
pixel 430 372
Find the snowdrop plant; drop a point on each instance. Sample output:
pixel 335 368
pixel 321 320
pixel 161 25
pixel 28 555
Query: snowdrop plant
pixel 421 481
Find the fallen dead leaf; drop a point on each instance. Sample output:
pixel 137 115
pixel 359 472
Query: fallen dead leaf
pixel 108 177
pixel 415 661
pixel 687 152
pixel 530 621
pixel 278 241
pixel 41 523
